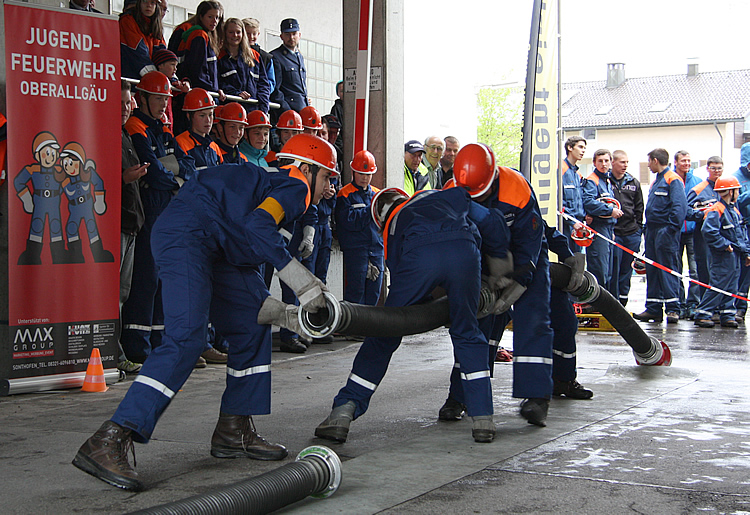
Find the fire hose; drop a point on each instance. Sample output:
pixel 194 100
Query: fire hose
pixel 316 472
pixel 347 318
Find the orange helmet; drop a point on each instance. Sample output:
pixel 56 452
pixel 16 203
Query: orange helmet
pixel 611 201
pixel 364 162
pixel 383 202
pixel 583 236
pixel 217 111
pixel 310 118
pixel 290 120
pixel 639 266
pixel 155 83
pixel 450 183
pixel 310 149
pixel 474 168
pixel 727 183
pixel 232 112
pixel 42 140
pixel 258 118
pixel 74 149
pixel 198 99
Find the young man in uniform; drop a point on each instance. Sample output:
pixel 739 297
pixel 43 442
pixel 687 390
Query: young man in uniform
pixel 209 245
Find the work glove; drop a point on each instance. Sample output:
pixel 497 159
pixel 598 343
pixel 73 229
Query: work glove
pixel 372 272
pixel 308 288
pixel 307 246
pixel 577 263
pixel 99 205
pixel 28 202
pixel 498 269
pixel 278 313
pixel 508 296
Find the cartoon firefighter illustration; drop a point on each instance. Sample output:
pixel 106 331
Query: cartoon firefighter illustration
pixel 85 192
pixel 43 203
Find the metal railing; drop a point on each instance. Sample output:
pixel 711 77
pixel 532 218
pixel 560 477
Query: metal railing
pixel 234 98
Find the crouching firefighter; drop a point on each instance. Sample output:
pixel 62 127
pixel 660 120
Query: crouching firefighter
pixel 209 244
pixel 427 239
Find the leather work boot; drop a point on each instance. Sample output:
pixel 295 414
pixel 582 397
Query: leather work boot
pixel 214 357
pixel 235 437
pixel 105 456
pixel 571 389
pixel 293 345
pixel 649 317
pixel 483 429
pixel 336 426
pixel 535 411
pixel 451 410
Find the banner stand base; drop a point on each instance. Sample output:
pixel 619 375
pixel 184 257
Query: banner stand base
pixel 51 382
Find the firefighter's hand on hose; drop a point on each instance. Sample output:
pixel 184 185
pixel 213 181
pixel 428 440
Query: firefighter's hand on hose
pixel 498 268
pixel 508 296
pixel 372 272
pixel 278 313
pixel 308 288
pixel 577 264
pixel 307 246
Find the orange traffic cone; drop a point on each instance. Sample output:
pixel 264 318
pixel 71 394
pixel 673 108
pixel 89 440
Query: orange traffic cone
pixel 94 381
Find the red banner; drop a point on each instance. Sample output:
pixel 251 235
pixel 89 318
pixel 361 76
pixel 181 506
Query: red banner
pixel 64 180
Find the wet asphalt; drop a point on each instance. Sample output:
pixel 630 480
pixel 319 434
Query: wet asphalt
pixel 655 440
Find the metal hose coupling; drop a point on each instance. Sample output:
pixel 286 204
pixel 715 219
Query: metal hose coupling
pixel 658 355
pixel 331 461
pixel 323 322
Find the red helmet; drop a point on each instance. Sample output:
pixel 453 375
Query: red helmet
pixel 310 118
pixel 383 202
pixel 364 162
pixel 611 201
pixel 727 183
pixel 155 83
pixel 310 149
pixel 450 183
pixel 258 118
pixel 639 266
pixel 583 236
pixel 232 112
pixel 290 120
pixel 198 99
pixel 217 112
pixel 474 168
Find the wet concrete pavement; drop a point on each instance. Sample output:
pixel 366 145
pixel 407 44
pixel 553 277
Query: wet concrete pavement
pixel 652 440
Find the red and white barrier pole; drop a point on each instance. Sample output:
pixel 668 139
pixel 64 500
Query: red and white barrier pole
pixel 362 92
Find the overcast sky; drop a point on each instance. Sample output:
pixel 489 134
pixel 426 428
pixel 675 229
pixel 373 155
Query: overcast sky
pixel 452 48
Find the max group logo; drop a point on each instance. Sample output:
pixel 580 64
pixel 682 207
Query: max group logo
pixel 33 342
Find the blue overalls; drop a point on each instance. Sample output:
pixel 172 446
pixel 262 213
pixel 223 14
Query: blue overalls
pixel 514 199
pixel 360 242
pixel 209 244
pixel 203 149
pixel 431 242
pixel 701 193
pixel 318 262
pixel 665 211
pixel 599 254
pixel 572 201
pixel 743 204
pixel 562 316
pixel 722 227
pixel 142 316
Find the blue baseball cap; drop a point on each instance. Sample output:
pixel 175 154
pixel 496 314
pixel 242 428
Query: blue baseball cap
pixel 413 146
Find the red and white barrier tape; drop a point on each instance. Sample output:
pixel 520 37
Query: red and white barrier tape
pixel 654 263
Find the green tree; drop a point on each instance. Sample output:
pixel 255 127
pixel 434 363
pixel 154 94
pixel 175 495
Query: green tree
pixel 501 122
